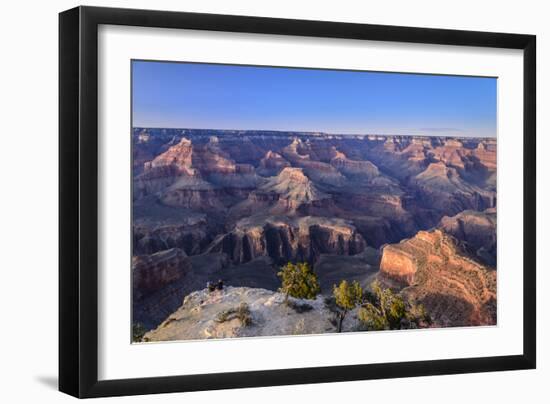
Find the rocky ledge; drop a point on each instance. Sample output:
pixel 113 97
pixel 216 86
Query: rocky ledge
pixel 242 312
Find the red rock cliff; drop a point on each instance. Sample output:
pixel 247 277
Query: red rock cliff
pixel 436 272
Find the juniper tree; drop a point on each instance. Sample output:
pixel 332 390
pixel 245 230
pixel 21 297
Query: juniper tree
pixel 347 296
pixel 299 281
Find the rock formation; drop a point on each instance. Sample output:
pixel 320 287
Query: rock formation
pixel 441 187
pixel 272 164
pixel 363 168
pixel 178 156
pixel 292 187
pixel 434 270
pixel 477 229
pixel 150 273
pixel 192 236
pixel 283 239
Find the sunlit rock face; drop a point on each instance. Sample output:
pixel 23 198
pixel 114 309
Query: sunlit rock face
pixel 434 269
pixel 178 156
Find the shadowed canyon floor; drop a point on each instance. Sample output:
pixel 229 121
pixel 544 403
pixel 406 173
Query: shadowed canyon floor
pixel 416 213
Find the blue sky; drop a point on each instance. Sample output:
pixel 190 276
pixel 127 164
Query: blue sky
pixel 189 95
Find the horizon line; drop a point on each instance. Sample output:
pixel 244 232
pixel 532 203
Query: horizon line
pixel 313 132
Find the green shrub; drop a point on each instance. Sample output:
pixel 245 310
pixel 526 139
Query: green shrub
pixel 347 296
pixel 242 312
pixel 299 281
pixel 386 310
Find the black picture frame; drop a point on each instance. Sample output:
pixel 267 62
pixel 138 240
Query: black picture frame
pixel 78 201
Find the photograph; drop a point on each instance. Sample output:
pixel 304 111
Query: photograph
pixel 286 201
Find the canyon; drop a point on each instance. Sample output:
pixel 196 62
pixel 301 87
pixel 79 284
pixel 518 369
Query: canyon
pixel 416 213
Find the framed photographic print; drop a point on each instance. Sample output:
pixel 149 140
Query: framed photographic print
pixel 251 201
